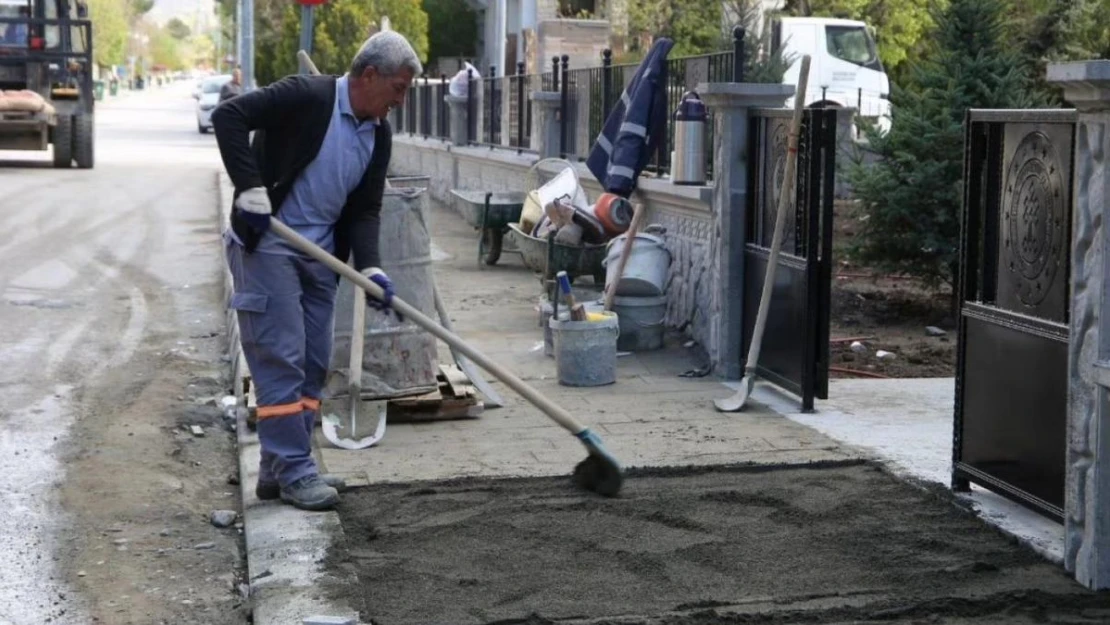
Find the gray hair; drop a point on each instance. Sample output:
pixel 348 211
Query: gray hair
pixel 388 51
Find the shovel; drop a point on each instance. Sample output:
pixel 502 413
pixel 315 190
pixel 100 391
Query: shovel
pixel 330 424
pixel 493 399
pixel 737 401
pixel 599 472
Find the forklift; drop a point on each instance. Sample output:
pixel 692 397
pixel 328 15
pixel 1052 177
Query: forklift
pixel 46 49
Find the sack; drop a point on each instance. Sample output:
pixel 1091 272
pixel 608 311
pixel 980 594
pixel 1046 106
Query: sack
pixel 459 85
pixel 22 100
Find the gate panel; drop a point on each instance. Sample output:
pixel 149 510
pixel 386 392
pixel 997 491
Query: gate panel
pixel 795 351
pixel 1011 378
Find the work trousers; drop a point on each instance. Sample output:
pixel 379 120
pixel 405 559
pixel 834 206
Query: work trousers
pixel 285 304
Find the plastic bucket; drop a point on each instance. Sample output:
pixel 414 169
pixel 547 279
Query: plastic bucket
pixel 546 310
pixel 645 273
pixel 586 351
pixel 641 322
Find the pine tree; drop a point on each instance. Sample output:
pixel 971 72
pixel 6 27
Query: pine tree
pixel 910 198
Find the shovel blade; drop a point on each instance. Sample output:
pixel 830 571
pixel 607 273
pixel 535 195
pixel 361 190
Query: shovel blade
pixel 737 401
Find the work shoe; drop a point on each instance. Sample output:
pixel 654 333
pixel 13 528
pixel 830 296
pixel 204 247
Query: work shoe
pixel 310 493
pixel 266 491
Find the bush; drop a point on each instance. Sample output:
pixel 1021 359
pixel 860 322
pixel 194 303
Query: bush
pixel 910 200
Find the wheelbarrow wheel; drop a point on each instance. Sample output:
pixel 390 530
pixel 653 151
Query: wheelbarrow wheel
pixel 493 240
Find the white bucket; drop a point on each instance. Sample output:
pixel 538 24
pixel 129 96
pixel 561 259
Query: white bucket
pixel 645 273
pixel 641 322
pixel 586 351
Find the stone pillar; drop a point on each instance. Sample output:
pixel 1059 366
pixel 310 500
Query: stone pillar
pixel 1087 493
pixel 731 104
pixel 845 147
pixel 456 111
pixel 546 124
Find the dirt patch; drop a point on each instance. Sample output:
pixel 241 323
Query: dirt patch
pixel 887 313
pixel 833 543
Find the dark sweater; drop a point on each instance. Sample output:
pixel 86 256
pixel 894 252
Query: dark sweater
pixel 290 119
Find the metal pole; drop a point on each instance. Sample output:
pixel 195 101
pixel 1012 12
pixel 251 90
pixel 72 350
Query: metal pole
pixel 738 54
pixel 307 26
pixel 471 126
pixel 520 106
pixel 564 108
pixel 492 102
pixel 443 128
pixel 606 85
pixel 246 51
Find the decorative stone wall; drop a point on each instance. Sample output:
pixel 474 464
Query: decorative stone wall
pixel 1087 495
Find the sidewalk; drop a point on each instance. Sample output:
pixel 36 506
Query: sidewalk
pixel 650 417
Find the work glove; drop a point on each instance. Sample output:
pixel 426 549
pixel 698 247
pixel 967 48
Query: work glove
pixel 254 207
pixel 378 277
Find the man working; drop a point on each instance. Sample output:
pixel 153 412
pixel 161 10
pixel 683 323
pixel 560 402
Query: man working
pixel 318 163
pixel 233 87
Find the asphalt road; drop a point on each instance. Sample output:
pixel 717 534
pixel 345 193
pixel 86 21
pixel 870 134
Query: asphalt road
pixel 111 332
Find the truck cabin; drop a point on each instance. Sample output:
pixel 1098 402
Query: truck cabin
pixel 24 41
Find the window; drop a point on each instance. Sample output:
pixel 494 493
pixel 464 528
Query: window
pixel 213 85
pixel 53 35
pixel 852 44
pixel 14 35
pixel 77 34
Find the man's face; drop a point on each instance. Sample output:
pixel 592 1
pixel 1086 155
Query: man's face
pixel 236 76
pixel 380 93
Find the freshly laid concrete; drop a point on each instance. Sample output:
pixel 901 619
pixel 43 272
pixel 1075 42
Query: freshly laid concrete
pixel 649 417
pixel 907 423
pixel 844 541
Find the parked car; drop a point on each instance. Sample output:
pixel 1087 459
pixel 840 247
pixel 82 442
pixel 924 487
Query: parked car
pixel 207 100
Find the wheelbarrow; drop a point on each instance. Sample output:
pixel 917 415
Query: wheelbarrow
pixel 547 258
pixel 490 213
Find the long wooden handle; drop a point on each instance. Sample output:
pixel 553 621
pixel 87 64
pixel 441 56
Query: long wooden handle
pixel 638 211
pixel 306 60
pixel 780 219
pixel 558 414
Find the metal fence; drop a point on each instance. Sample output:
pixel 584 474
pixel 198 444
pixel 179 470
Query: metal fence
pixel 500 111
pixel 589 96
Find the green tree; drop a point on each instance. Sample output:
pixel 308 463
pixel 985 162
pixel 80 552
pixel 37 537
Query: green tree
pixel 900 25
pixel 452 28
pixel 110 26
pixel 910 199
pixel 694 25
pixel 178 30
pixel 762 63
pixel 340 27
pixel 167 50
pixel 140 8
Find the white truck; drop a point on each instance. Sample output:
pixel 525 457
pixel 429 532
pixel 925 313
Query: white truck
pixel 845 70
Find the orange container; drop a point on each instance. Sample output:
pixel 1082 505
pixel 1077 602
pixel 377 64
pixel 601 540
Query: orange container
pixel 614 212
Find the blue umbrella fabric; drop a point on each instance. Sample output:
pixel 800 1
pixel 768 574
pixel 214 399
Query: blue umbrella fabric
pixel 635 127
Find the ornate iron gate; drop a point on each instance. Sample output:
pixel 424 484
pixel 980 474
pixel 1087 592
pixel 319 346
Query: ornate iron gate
pixel 795 351
pixel 1011 375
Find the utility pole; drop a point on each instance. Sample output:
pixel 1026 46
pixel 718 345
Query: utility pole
pixel 308 8
pixel 246 42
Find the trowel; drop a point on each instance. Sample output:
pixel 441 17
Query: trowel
pixel 330 423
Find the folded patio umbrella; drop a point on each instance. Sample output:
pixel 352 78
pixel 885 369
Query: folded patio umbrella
pixel 635 127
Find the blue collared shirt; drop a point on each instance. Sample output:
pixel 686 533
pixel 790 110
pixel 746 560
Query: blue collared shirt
pixel 316 200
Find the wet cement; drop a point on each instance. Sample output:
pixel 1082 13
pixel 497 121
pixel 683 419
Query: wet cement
pixel 834 543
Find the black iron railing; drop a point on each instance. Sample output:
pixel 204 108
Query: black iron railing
pixel 499 109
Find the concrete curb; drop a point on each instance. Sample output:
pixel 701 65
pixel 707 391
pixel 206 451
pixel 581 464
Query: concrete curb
pixel 285 546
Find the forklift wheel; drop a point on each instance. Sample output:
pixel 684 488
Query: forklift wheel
pixel 63 142
pixel 83 140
